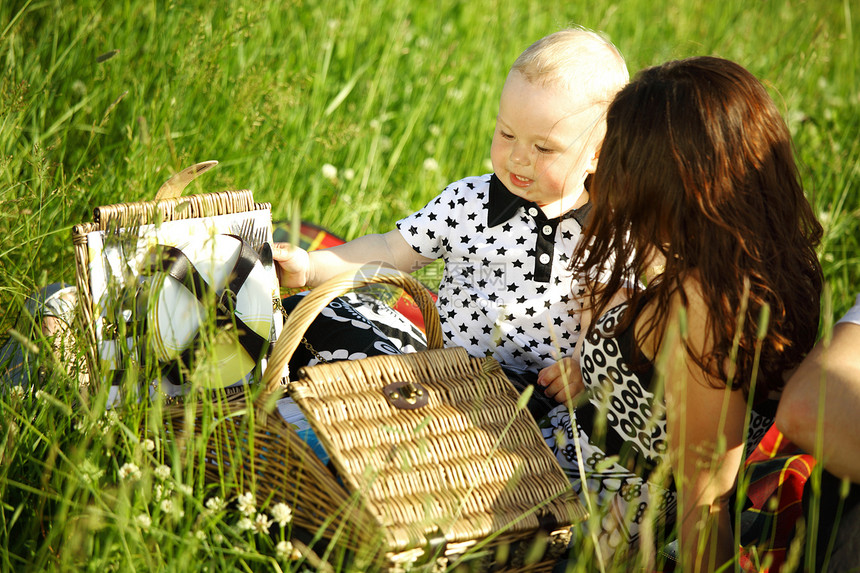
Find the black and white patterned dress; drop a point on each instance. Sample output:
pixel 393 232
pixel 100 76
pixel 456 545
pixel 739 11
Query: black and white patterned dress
pixel 621 433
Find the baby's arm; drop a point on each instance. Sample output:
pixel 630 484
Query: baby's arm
pixel 298 268
pixel 563 380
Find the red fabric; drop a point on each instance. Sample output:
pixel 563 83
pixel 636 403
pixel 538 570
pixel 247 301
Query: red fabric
pixel 777 471
pixel 407 307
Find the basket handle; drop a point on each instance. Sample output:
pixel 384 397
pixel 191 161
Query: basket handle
pixel 307 310
pixel 177 183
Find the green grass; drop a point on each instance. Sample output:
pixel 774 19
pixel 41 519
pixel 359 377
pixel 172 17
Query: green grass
pixel 100 102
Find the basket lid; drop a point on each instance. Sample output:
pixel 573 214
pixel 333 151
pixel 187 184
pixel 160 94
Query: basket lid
pixel 468 463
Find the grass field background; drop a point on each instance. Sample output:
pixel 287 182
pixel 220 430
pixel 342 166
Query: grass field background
pixel 100 102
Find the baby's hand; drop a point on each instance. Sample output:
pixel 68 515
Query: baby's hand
pixel 562 380
pixel 293 265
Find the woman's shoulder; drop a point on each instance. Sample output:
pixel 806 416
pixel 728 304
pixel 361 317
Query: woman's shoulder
pixel 687 317
pixel 691 302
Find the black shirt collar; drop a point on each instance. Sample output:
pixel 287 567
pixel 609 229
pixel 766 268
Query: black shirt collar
pixel 502 205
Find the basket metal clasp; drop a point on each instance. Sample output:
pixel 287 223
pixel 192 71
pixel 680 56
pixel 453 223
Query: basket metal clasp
pixel 406 395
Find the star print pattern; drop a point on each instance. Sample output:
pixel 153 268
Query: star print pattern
pixel 505 290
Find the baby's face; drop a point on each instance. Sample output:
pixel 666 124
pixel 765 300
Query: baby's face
pixel 542 147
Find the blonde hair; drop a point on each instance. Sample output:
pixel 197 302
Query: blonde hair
pixel 575 59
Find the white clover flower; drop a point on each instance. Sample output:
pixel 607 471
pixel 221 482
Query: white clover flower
pixel 162 472
pixel 431 164
pixel 17 392
pixel 143 521
pixel 200 534
pixel 90 472
pixel 218 537
pixel 349 174
pixel 285 550
pixel 329 171
pixel 185 489
pixel 148 445
pixel 262 524
pixel 172 509
pixel 282 514
pixel 40 395
pixel 214 504
pixel 434 130
pixel 245 524
pixel 247 504
pixel 129 471
pixel 79 87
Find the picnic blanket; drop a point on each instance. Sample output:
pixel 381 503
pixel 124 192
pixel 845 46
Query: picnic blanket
pixel 777 471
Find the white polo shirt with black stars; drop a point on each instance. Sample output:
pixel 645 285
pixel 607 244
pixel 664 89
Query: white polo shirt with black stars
pixel 506 289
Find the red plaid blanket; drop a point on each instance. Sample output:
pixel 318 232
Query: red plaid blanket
pixel 776 473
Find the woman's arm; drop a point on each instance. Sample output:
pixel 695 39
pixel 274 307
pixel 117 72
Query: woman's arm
pixel 820 406
pixel 705 423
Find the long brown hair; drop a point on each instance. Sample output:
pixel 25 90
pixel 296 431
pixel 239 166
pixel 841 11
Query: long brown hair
pixel 697 163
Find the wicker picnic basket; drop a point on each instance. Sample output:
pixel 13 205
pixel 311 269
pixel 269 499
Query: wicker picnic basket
pixel 114 218
pixel 433 458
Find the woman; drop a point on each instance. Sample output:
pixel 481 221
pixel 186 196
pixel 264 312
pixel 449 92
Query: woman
pixel 696 192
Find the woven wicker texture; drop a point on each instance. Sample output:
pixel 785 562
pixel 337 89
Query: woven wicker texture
pixel 451 464
pixel 469 464
pixel 270 459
